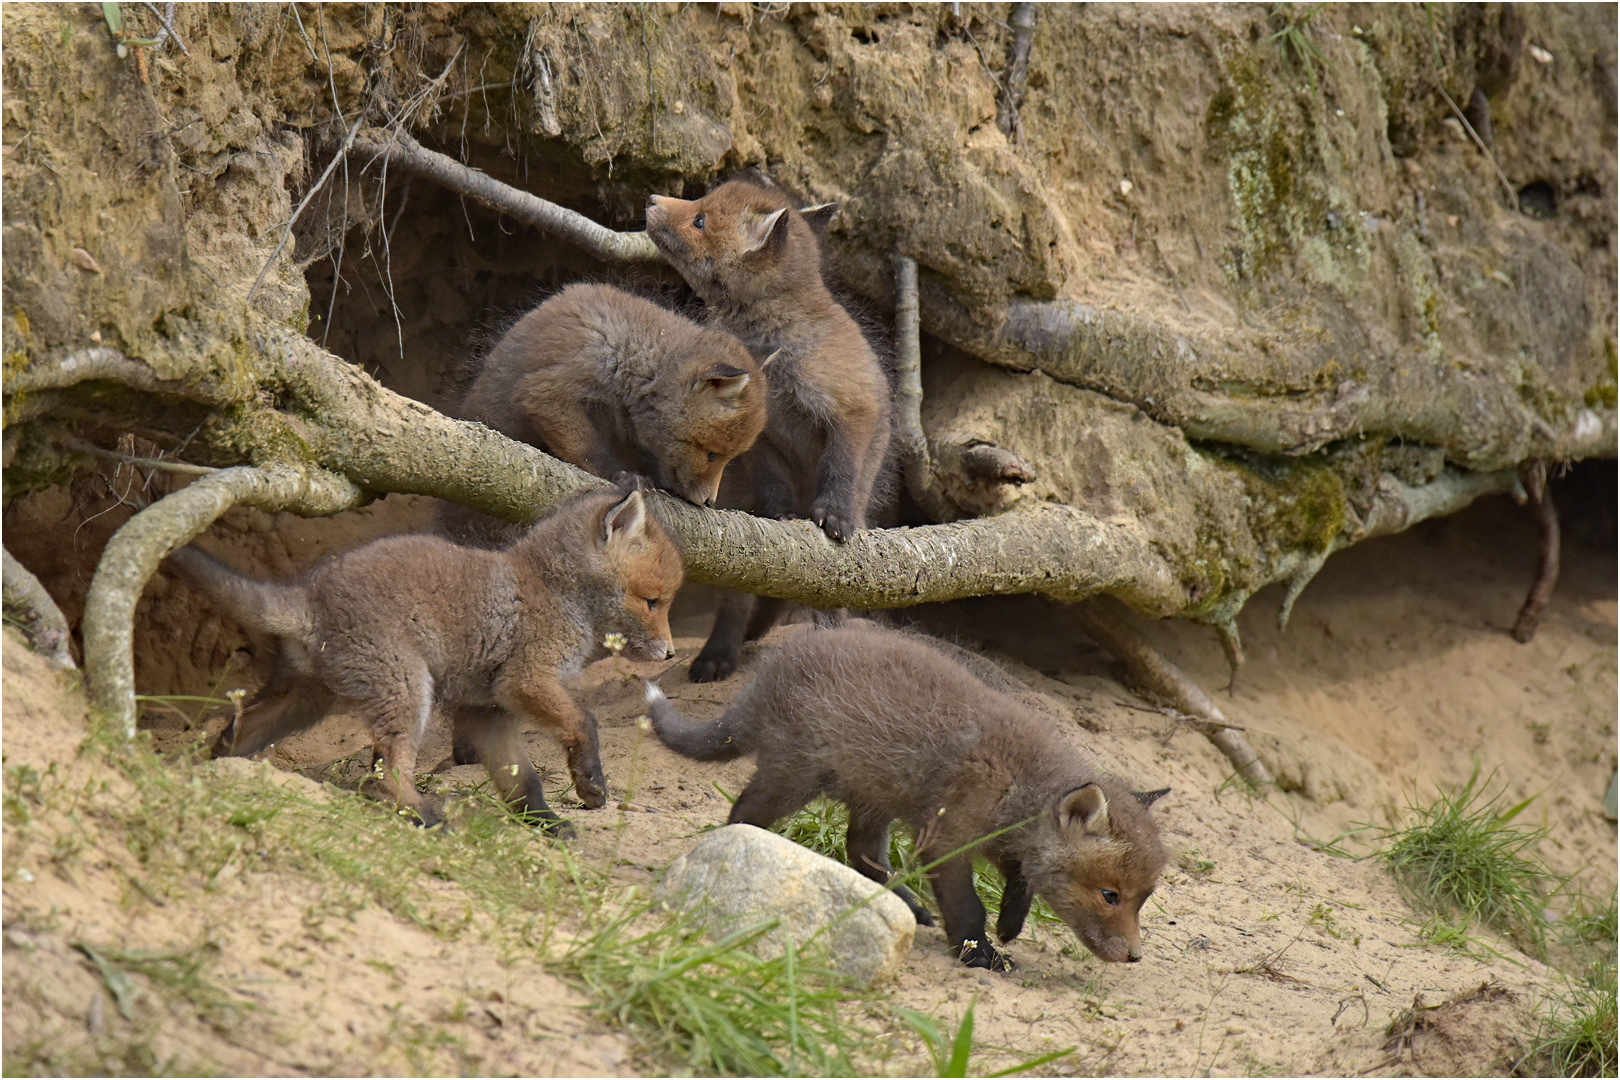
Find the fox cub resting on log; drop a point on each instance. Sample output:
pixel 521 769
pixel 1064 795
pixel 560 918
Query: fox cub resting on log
pixel 617 385
pixel 614 383
pixel 893 728
pixel 405 623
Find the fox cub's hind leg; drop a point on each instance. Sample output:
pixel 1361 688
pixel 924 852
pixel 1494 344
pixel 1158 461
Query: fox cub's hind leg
pixel 490 735
pixel 866 845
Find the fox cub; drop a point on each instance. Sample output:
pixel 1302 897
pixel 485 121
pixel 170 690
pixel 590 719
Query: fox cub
pixel 405 623
pixel 893 728
pixel 756 263
pixel 616 384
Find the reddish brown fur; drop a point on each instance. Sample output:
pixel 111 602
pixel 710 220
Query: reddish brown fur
pixel 614 383
pixel 406 623
pixel 894 728
pixel 757 265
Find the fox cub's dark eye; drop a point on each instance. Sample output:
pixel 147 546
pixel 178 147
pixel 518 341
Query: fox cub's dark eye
pixel 713 456
pixel 697 222
pixel 652 605
pixel 1110 897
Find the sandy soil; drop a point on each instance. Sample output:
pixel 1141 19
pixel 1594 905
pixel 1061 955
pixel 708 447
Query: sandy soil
pixel 1264 955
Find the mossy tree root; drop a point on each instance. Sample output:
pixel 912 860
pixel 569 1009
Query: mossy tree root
pixel 132 556
pixel 43 620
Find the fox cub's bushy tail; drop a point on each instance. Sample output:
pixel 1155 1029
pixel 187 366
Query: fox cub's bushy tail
pixel 279 610
pixel 701 740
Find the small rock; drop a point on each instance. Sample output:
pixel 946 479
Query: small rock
pixel 740 874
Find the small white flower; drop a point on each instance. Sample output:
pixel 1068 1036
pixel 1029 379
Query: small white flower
pixel 614 643
pixel 24 876
pixel 644 722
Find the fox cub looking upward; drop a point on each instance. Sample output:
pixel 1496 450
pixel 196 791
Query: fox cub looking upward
pixel 893 728
pixel 614 383
pixel 407 622
pixel 756 264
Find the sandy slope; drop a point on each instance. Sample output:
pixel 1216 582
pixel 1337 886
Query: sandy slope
pixel 1263 954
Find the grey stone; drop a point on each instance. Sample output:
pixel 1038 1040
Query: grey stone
pixel 739 875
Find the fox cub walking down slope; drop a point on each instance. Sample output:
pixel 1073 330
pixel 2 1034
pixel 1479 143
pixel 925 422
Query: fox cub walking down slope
pixel 756 264
pixel 406 622
pixel 892 728
pixel 615 384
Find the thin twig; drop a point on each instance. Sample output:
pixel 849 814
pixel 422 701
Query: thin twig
pixel 146 463
pixel 165 18
pixel 331 166
pixel 1513 195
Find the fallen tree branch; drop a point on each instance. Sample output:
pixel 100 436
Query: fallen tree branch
pixel 43 620
pixel 1534 476
pixel 1159 678
pixel 132 556
pixel 403 152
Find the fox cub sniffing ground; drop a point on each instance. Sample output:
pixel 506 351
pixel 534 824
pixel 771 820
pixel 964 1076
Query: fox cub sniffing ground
pixel 756 263
pixel 405 623
pixel 615 384
pixel 894 729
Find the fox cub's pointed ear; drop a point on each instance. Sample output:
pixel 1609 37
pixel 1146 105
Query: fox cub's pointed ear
pixel 819 215
pixel 1148 798
pixel 626 522
pixel 1084 808
pixel 760 231
pixel 725 382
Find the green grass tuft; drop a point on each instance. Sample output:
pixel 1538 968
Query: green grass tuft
pixel 1577 1036
pixel 714 1005
pixel 1462 857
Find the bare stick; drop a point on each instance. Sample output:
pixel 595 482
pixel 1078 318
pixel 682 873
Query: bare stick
pixel 132 556
pixel 27 597
pixel 1534 475
pixel 915 462
pixel 1158 677
pixel 1513 195
pixel 406 153
pixel 165 19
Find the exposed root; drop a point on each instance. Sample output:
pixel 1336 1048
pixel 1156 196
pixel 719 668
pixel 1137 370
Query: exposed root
pixel 132 556
pixel 1232 646
pixel 1303 575
pixel 1159 678
pixel 27 599
pixel 1534 475
pixel 916 463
